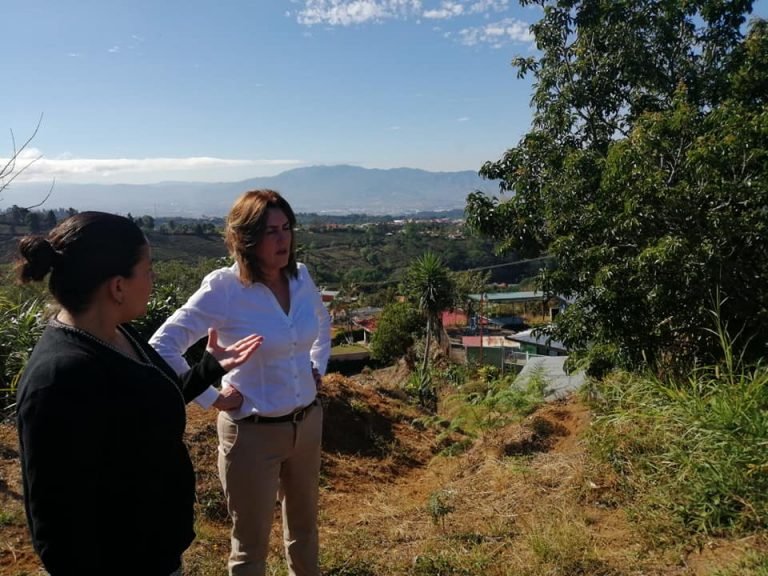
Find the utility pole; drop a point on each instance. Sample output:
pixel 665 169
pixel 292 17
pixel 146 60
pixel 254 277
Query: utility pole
pixel 480 323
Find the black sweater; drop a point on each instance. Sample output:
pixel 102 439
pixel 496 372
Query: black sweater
pixel 108 483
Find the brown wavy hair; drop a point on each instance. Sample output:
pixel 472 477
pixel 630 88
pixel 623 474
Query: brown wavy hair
pixel 246 225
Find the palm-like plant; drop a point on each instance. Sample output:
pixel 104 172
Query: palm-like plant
pixel 429 286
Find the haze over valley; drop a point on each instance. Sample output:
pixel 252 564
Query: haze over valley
pixel 340 189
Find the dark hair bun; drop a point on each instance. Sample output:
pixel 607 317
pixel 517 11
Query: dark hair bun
pixel 39 257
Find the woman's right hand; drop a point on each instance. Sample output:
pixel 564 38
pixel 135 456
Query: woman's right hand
pixel 234 355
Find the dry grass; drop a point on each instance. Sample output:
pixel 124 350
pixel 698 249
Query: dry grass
pixel 524 500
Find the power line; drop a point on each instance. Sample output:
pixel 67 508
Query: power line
pixel 505 264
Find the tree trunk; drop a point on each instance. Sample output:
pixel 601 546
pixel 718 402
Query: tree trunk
pixel 425 362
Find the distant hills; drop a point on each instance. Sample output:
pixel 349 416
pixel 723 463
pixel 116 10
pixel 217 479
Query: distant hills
pixel 339 189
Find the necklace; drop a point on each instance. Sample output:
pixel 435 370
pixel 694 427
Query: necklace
pixel 144 361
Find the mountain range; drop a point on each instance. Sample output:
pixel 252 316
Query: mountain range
pixel 341 189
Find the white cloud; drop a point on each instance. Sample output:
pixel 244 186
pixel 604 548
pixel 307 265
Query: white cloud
pixel 73 169
pixel 333 13
pixel 483 6
pixel 114 49
pixel 463 119
pixel 497 34
pixel 349 12
pixel 446 10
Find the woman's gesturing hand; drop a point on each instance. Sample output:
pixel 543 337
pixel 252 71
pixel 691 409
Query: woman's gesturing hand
pixel 234 355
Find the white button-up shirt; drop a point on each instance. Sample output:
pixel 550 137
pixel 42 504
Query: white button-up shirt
pixel 278 378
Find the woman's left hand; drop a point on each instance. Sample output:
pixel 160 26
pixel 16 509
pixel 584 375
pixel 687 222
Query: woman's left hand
pixel 234 355
pixel 318 377
pixel 229 399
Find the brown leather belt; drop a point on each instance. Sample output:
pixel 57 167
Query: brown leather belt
pixel 296 416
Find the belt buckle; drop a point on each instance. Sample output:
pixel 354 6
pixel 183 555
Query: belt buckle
pixel 298 416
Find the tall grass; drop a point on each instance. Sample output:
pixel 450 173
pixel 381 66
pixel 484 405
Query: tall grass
pixel 692 452
pixel 21 324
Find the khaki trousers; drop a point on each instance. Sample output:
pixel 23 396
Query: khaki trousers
pixel 259 462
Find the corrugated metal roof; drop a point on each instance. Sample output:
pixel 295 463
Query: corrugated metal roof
pixel 551 370
pixel 527 337
pixel 488 341
pixel 534 296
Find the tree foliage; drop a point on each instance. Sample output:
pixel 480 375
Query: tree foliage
pixel 643 175
pixel 395 330
pixel 429 286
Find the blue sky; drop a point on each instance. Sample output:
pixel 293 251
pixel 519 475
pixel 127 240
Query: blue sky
pixel 222 90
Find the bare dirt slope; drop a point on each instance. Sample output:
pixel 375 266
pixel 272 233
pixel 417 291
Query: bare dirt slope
pixel 521 500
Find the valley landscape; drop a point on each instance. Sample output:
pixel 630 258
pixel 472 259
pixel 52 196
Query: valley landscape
pixel 337 190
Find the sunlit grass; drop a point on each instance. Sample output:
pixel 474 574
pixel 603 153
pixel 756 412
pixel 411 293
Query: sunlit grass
pixel 691 454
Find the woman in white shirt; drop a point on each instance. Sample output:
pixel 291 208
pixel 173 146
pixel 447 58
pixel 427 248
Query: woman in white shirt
pixel 270 445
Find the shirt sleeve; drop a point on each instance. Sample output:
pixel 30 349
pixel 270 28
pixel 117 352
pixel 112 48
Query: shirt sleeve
pixel 321 348
pixel 197 382
pixel 206 308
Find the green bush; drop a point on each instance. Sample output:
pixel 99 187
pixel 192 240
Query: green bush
pixel 395 331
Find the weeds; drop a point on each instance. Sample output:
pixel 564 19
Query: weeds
pixel 755 564
pixel 10 518
pixel 21 324
pixel 449 563
pixel 562 546
pixel 348 567
pixel 484 405
pixel 693 452
pixel 439 506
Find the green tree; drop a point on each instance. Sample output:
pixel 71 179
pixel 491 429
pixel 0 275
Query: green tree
pixel 643 175
pixel 147 222
pixel 429 286
pixel 18 214
pixel 395 330
pixel 50 220
pixel 32 221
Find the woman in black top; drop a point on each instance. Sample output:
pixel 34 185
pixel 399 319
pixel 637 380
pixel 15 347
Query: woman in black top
pixel 108 482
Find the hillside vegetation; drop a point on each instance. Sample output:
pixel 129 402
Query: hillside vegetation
pixel 481 489
pixel 366 254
